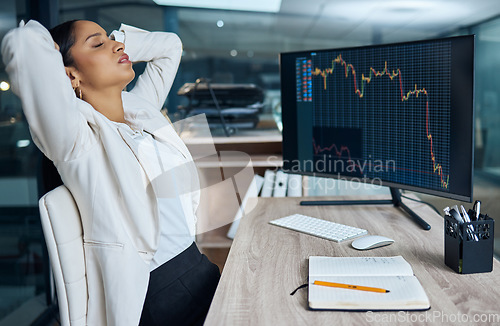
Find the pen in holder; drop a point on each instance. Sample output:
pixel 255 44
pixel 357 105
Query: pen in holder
pixel 468 246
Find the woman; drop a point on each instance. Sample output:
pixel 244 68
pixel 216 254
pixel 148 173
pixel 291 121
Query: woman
pixel 111 148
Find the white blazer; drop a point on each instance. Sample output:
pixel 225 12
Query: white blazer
pixel 97 164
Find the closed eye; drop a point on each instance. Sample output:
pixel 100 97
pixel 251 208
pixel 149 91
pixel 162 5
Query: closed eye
pixel 98 45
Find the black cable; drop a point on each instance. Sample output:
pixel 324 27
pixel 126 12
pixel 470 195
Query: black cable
pixel 300 287
pixel 216 102
pixel 423 202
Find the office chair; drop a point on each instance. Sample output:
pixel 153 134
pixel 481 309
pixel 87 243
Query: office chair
pixel 63 233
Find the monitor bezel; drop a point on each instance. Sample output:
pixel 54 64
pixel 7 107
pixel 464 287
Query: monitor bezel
pixel 382 182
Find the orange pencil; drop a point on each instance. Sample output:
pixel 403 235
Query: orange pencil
pixel 352 287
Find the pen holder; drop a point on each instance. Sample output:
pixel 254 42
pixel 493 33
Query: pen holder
pixel 468 247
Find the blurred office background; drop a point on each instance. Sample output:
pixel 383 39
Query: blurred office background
pixel 229 45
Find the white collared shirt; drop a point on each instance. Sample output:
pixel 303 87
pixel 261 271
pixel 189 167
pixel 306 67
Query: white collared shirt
pixel 177 219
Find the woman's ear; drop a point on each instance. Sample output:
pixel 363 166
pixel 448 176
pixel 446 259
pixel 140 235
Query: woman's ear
pixel 73 75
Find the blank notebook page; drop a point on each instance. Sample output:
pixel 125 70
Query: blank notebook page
pixel 405 291
pixel 391 273
pixel 368 266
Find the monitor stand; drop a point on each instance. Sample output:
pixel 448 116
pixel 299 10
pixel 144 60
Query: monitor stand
pixel 396 201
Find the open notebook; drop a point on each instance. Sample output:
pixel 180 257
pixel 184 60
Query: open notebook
pixel 390 273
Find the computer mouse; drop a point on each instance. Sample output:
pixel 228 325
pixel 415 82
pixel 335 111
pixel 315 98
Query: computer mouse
pixel 371 242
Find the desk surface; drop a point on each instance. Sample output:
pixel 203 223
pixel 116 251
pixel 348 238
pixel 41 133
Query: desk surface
pixel 267 262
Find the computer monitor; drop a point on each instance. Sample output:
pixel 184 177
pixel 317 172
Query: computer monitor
pixel 399 115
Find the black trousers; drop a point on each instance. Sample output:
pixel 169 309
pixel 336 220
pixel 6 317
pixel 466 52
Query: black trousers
pixel 181 290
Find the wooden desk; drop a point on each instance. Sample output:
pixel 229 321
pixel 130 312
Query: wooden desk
pixel 266 263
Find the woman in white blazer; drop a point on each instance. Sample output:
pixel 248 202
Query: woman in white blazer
pixel 112 148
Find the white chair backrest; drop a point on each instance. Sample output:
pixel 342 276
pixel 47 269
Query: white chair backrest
pixel 62 229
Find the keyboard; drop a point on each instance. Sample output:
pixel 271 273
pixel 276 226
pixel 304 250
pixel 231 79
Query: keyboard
pixel 318 227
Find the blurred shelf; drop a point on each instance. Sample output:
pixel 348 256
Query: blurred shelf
pixel 262 146
pixel 237 159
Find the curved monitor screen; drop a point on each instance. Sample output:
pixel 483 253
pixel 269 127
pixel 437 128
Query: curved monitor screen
pixel 400 115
